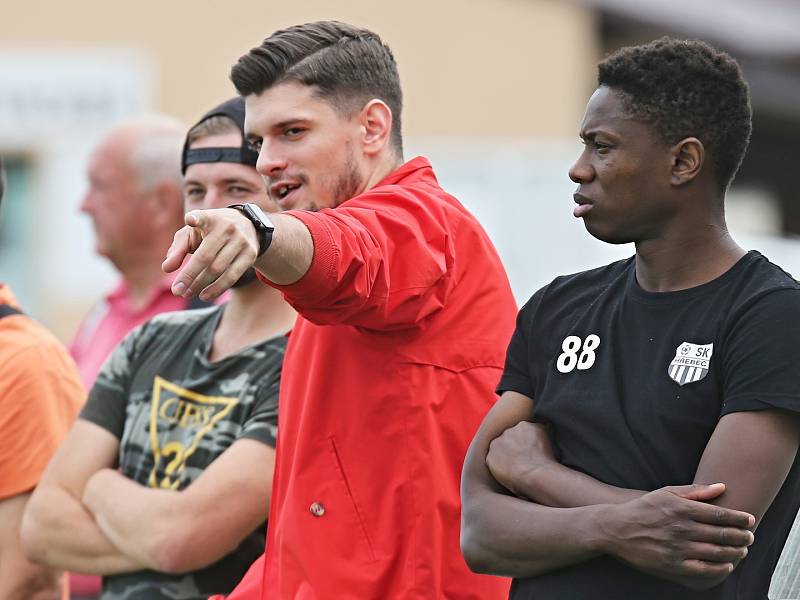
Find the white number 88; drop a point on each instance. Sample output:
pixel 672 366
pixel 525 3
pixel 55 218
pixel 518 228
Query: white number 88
pixel 569 358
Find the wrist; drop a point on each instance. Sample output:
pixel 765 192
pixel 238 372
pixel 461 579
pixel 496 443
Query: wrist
pixel 261 223
pixel 605 519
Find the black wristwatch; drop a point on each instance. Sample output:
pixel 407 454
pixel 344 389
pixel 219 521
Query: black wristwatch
pixel 260 221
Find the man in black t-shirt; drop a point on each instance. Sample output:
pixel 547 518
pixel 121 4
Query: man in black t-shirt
pixel 645 442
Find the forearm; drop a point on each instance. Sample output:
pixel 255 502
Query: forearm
pixel 504 535
pixel 162 529
pixel 289 255
pixel 553 484
pixel 21 580
pixel 59 532
pixel 522 460
pixel 135 518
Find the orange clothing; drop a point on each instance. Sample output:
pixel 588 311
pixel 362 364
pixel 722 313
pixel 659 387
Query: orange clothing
pixel 40 395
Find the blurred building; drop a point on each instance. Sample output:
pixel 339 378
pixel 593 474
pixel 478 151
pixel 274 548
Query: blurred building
pixel 494 93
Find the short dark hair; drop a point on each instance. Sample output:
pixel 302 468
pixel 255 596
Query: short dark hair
pixel 348 65
pixel 686 88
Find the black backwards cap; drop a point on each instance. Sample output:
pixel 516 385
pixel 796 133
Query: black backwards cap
pixel 234 110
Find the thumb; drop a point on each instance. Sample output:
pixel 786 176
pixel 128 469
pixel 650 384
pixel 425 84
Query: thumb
pixel 699 492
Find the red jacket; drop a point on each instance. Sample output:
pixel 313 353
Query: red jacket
pixel 406 312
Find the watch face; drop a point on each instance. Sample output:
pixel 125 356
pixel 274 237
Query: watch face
pixel 260 214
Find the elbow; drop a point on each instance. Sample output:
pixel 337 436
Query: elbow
pixel 169 553
pixel 179 550
pixel 476 546
pixel 477 559
pixel 33 534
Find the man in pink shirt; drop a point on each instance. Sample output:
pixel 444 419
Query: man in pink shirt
pixel 135 203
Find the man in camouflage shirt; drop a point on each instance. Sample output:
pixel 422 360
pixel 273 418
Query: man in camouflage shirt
pixel 164 483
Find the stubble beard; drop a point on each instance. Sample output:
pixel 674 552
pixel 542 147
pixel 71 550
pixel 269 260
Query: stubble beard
pixel 349 182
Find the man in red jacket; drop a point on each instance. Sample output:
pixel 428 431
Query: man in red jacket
pixel 405 313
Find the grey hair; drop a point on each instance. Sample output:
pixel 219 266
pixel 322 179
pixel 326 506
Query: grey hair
pixel 156 151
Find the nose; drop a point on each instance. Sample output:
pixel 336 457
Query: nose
pixel 87 204
pixel 581 171
pixel 214 198
pixel 269 163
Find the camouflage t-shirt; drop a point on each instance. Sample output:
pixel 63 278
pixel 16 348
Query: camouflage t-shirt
pixel 174 412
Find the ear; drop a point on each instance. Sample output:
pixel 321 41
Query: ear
pixel 376 125
pixel 166 201
pixel 688 157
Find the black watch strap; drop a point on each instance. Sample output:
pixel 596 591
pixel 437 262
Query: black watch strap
pixel 260 221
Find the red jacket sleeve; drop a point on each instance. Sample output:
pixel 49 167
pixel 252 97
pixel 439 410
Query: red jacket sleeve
pixel 382 261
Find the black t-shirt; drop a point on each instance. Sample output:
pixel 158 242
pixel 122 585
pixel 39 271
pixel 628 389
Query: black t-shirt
pixel 633 384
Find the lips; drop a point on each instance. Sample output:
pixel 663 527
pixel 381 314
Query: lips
pixel 282 191
pixel 584 205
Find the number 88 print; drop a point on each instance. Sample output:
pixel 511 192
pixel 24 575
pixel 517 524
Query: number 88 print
pixel 569 359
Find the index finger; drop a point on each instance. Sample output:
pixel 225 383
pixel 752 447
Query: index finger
pixel 190 280
pixel 178 250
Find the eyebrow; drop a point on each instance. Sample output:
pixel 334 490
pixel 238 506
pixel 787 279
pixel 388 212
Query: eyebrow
pixel 254 137
pixel 593 133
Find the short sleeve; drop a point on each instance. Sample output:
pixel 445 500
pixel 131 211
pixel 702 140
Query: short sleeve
pixel 761 363
pixel 517 373
pixel 262 424
pixel 107 402
pixel 40 394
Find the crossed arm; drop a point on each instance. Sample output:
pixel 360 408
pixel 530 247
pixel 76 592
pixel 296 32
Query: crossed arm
pixel 20 579
pixel 85 516
pixel 693 535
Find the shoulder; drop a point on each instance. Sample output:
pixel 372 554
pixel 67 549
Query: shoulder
pixel 265 358
pixel 761 284
pixel 576 287
pixel 37 372
pixel 27 344
pixel 163 330
pixel 168 324
pixel 183 318
pixel 421 198
pixel 593 280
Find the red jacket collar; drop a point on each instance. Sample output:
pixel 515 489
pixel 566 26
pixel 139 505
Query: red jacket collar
pixel 420 163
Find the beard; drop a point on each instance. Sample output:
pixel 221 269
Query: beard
pixel 349 182
pixel 346 184
pixel 247 278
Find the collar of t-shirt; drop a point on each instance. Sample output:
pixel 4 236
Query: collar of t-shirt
pixel 120 296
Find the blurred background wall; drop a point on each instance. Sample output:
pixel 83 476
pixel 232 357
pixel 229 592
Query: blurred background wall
pixel 494 94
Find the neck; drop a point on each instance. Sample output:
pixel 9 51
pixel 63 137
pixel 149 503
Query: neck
pixel 688 258
pixel 141 280
pixel 254 313
pixel 384 164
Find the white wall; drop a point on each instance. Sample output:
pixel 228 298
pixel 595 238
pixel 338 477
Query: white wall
pixel 54 105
